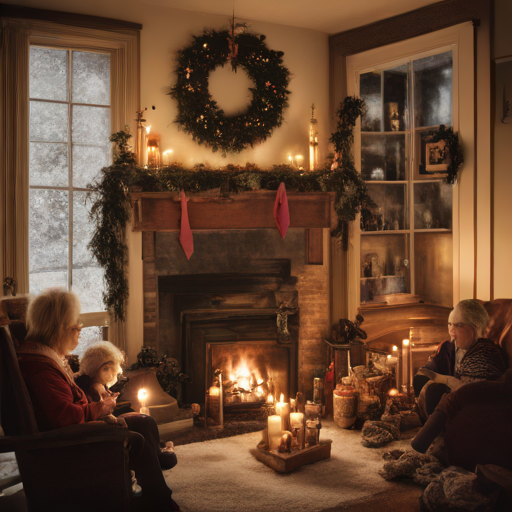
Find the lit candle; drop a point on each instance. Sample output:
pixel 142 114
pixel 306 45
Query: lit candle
pixel 296 418
pixel 283 410
pixel 393 392
pixel 405 365
pixel 274 427
pixel 167 157
pixel 214 391
pixel 142 395
pixel 270 399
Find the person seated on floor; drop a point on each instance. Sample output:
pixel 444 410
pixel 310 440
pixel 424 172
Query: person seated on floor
pixel 53 332
pixel 467 356
pixel 99 369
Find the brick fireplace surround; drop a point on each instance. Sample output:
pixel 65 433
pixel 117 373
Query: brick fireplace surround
pixel 223 250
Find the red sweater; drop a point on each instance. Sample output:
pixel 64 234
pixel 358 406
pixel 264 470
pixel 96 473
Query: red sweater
pixel 56 403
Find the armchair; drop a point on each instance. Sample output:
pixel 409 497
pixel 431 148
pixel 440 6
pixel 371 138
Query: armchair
pixel 80 467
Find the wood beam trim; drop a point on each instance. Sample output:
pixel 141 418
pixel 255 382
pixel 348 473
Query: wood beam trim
pixel 66 18
pixel 161 211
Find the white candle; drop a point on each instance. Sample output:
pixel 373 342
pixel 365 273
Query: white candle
pixel 283 410
pixel 296 418
pixel 405 364
pixel 274 427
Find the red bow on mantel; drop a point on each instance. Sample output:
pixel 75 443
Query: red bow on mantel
pixel 186 238
pixel 281 212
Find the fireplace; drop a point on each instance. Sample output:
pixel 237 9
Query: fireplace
pixel 222 306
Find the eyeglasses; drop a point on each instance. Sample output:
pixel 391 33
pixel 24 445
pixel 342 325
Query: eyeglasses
pixel 77 328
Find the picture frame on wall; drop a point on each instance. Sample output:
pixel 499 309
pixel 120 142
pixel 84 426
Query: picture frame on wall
pixel 434 157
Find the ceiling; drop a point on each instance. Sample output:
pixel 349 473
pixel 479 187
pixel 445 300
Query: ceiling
pixel 330 16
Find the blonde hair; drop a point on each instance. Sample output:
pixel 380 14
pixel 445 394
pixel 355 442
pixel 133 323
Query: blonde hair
pixel 50 314
pixel 97 355
pixel 471 312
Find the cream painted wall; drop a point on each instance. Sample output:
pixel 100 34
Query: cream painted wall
pixel 502 148
pixel 306 54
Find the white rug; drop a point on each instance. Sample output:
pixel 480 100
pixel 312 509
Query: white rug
pixel 222 475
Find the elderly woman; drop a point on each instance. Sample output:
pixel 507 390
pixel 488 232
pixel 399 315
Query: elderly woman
pixel 53 332
pixel 466 357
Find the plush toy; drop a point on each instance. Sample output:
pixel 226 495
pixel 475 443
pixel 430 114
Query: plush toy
pixel 99 368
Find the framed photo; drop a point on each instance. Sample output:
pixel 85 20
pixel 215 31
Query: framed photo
pixel 437 156
pixel 434 157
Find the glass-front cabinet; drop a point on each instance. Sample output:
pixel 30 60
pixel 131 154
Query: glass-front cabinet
pixel 405 248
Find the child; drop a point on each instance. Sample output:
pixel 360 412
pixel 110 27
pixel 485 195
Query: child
pixel 99 368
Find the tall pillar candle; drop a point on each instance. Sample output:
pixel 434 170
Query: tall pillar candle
pixel 274 427
pixel 283 410
pixel 406 348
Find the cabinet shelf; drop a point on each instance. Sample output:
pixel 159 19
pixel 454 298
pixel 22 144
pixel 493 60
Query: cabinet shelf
pixel 387 133
pixel 389 232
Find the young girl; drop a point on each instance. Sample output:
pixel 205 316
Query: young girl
pixel 99 369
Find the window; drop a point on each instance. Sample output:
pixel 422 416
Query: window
pixel 69 131
pixel 409 237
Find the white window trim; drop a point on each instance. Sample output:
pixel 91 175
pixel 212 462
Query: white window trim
pixel 460 37
pixel 123 46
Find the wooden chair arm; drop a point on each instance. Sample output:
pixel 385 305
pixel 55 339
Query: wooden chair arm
pixel 93 432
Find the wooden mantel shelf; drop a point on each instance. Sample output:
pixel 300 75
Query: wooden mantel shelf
pixel 161 211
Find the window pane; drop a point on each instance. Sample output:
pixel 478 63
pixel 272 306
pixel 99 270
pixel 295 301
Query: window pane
pixel 88 336
pixel 395 98
pixel 91 125
pixel 91 78
pixel 392 211
pixel 48 237
pixel 433 90
pixel 48 121
pixel 432 205
pixel 370 91
pixel 48 164
pixel 88 162
pixel 87 275
pixel 383 156
pixel 384 266
pixel 48 74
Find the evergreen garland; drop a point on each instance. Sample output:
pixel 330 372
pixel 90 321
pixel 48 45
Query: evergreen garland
pixel 112 208
pixel 199 114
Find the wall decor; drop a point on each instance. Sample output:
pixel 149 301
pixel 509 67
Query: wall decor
pixel 198 113
pixel 440 154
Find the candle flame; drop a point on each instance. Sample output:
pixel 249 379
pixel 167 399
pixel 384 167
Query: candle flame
pixel 270 399
pixel 148 129
pixel 393 392
pixel 405 342
pixel 281 400
pixel 143 394
pixel 395 348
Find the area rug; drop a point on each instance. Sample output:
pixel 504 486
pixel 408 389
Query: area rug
pixel 222 475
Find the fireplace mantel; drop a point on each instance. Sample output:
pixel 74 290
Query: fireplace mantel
pixel 161 211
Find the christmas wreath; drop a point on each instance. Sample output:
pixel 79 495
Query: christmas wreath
pixel 454 150
pixel 198 112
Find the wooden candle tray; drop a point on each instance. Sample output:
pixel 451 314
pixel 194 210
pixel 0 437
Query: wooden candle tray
pixel 286 462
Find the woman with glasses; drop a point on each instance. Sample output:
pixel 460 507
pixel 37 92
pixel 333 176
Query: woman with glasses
pixel 53 332
pixel 466 357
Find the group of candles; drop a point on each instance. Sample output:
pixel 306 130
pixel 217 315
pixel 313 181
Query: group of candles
pixel 150 148
pixel 402 361
pixel 286 429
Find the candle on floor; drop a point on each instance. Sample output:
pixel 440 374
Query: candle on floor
pixel 142 395
pixel 274 428
pixel 283 410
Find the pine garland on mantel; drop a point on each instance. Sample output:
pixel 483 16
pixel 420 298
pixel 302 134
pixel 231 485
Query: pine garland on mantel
pixel 111 207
